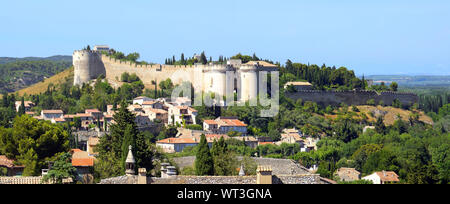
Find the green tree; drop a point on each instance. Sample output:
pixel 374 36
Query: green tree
pixel 61 169
pixel 379 125
pixel 393 86
pixel 32 142
pixel 204 162
pixel 21 110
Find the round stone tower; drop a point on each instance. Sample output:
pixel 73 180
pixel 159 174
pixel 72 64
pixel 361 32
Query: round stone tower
pixel 249 82
pixel 215 79
pixel 87 65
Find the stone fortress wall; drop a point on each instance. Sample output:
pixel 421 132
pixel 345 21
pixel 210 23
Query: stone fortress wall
pixel 335 98
pixel 89 65
pixel 208 78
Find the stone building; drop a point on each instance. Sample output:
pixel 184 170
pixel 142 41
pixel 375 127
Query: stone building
pixel 233 77
pixel 348 174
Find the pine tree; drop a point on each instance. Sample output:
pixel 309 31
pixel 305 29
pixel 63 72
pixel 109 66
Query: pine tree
pixel 379 125
pixel 204 163
pixel 183 61
pixel 203 59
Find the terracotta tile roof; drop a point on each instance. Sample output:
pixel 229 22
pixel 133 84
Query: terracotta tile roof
pixel 38 117
pixel 83 162
pixel 246 138
pixel 231 122
pixel 92 111
pixel 59 119
pixel 210 122
pixel 30 113
pixel 192 109
pixel 149 102
pixel 264 143
pixel 155 110
pixel 388 176
pixel 9 163
pixel 261 63
pixel 83 115
pixel 174 140
pixel 298 83
pixel 52 111
pixel 69 116
pixel 212 137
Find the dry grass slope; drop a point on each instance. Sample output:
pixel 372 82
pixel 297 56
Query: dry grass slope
pixel 42 86
pixel 389 113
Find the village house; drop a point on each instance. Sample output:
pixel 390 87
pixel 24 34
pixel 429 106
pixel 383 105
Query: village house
pixel 291 136
pixel 299 85
pixel 172 145
pixel 309 144
pixel 142 120
pixel 382 177
pixel 178 101
pixel 91 144
pixel 84 165
pixel 96 114
pixel 248 140
pixel 153 104
pixel 180 114
pixel 135 108
pixel 28 105
pixel 11 168
pixel 109 109
pixel 224 125
pixel 50 114
pixel 86 119
pixel 69 117
pixel 58 120
pixel 157 114
pixel 141 99
pixel 348 174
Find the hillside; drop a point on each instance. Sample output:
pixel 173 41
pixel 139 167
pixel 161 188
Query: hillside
pixel 22 73
pixel 389 113
pixel 42 86
pixel 56 58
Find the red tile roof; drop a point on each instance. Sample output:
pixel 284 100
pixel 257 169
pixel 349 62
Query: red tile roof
pixel 210 122
pixel 388 176
pixel 53 111
pixel 83 162
pixel 9 163
pixel 264 143
pixel 92 111
pixel 231 122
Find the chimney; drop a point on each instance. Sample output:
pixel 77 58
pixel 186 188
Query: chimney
pixel 264 175
pixel 142 176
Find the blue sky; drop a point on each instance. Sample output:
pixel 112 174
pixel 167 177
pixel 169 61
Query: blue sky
pixel 376 37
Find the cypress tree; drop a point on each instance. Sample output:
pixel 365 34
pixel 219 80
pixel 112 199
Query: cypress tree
pixel 204 163
pixel 21 110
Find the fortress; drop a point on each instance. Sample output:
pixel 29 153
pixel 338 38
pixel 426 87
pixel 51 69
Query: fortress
pixel 234 77
pixel 216 78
